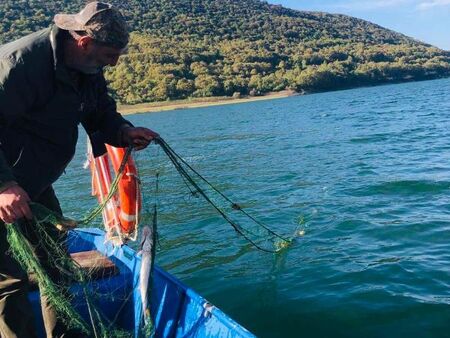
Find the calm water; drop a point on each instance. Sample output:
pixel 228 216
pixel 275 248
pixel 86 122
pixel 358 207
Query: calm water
pixel 369 171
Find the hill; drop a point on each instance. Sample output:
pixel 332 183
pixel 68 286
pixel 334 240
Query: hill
pixel 199 48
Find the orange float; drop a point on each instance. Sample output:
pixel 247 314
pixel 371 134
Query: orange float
pixel 121 213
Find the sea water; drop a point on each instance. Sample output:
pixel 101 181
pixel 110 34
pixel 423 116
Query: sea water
pixel 362 177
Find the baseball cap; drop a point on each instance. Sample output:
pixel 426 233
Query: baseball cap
pixel 99 20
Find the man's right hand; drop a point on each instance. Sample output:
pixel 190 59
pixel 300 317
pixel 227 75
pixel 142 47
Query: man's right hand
pixel 14 204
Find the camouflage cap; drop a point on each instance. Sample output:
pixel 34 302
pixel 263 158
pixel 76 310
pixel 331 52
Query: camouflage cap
pixel 100 21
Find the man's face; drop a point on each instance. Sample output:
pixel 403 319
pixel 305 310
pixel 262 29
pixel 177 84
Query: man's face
pixel 96 56
pixel 102 55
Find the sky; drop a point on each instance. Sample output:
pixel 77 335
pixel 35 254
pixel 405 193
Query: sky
pixel 425 20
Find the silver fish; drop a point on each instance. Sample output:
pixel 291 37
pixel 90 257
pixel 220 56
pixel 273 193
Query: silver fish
pixel 147 252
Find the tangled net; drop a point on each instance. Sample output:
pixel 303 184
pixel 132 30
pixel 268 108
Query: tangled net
pixel 24 253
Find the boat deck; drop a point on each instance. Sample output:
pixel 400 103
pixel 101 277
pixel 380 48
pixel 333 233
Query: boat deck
pixel 177 310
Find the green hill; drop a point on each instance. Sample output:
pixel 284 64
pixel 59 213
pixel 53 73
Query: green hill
pixel 183 48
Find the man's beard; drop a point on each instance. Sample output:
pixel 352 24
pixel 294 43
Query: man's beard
pixel 89 65
pixel 89 70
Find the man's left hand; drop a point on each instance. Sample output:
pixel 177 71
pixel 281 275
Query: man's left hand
pixel 138 137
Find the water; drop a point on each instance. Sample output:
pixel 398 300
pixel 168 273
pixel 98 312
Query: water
pixel 369 171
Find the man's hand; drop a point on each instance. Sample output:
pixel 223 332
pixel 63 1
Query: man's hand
pixel 138 137
pixel 14 204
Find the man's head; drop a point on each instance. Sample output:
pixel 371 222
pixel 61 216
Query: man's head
pixel 100 34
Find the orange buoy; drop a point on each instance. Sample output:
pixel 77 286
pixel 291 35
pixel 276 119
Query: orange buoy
pixel 128 190
pixel 121 213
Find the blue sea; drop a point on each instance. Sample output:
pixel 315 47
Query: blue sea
pixel 360 177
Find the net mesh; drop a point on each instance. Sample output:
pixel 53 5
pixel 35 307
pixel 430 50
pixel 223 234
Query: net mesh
pixel 97 323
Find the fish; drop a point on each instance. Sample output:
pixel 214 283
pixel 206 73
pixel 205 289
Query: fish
pixel 147 253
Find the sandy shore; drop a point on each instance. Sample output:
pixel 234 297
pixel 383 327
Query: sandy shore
pixel 197 103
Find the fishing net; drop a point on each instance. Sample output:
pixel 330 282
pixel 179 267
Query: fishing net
pixel 97 323
pixel 57 294
pixel 62 302
pixel 244 224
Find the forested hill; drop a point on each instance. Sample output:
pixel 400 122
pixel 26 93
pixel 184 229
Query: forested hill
pixel 183 48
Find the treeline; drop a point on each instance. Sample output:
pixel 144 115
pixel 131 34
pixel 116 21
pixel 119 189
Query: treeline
pixel 201 48
pixel 166 68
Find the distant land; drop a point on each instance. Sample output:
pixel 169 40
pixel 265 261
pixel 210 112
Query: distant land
pixel 206 48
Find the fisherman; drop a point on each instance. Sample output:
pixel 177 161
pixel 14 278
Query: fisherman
pixel 51 81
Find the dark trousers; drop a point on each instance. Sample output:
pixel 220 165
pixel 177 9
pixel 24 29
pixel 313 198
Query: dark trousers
pixel 16 317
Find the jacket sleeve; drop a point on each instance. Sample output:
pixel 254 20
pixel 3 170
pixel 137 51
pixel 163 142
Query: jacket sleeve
pixel 16 97
pixel 106 124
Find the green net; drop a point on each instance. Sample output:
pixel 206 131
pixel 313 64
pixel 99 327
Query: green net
pixel 61 302
pixel 50 229
pixel 45 222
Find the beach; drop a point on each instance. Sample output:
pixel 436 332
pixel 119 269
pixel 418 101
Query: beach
pixel 152 107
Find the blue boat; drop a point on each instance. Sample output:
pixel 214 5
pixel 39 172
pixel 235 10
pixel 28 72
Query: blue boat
pixel 177 310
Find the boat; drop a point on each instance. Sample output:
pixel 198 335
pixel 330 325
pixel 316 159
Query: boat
pixel 176 310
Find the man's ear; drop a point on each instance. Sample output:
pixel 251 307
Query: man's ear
pixel 84 42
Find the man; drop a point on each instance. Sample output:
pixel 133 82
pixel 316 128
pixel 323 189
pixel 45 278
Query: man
pixel 50 81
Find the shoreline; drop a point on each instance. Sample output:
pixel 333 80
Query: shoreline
pixel 153 107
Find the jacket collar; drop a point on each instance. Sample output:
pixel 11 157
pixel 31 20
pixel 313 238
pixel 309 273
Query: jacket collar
pixel 56 45
pixel 61 71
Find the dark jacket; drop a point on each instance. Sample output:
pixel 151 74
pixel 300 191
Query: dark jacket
pixel 41 107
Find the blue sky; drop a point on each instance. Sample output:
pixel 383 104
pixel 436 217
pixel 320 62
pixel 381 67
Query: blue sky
pixel 425 20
